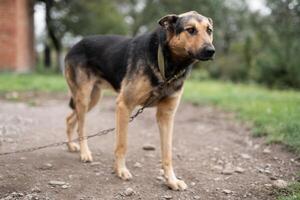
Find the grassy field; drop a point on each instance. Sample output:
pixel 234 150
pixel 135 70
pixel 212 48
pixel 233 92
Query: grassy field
pixel 31 82
pixel 274 114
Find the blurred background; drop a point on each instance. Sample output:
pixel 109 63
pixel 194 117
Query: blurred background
pixel 256 40
pixel 255 74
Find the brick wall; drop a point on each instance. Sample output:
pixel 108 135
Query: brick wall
pixel 16 35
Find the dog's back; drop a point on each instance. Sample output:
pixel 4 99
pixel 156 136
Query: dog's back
pixel 104 55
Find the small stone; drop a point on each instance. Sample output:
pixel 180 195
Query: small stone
pixel 220 162
pixel 193 183
pixel 56 183
pixel 266 151
pixel 227 191
pixel 260 170
pixel 273 178
pixel 36 189
pixel 268 165
pixel 148 147
pixel 196 197
pixel 137 165
pixel 227 171
pixel 239 170
pixel 268 185
pixel 280 184
pixel 267 171
pixel 46 166
pixel 95 163
pixel 167 197
pixel 217 167
pixel 160 178
pixel 64 187
pixel 217 179
pixel 245 156
pixel 128 192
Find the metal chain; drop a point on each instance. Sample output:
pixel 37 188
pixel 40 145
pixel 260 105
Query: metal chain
pixel 102 132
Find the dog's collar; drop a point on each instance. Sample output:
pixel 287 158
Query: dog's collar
pixel 161 62
pixel 162 67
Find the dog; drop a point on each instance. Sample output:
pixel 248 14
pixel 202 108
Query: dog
pixel 134 68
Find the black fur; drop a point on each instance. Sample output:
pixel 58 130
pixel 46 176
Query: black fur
pixel 112 57
pixel 72 103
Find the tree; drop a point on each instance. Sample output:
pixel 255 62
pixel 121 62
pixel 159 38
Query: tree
pixel 79 18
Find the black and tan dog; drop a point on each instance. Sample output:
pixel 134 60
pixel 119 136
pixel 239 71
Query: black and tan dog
pixel 134 67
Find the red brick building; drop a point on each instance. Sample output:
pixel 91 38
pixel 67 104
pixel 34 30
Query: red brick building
pixel 16 35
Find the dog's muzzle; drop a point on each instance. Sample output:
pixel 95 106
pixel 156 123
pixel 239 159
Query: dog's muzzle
pixel 206 53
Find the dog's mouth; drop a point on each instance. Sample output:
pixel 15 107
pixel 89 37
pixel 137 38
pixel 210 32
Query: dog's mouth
pixel 200 56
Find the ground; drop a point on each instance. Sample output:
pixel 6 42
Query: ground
pixel 207 142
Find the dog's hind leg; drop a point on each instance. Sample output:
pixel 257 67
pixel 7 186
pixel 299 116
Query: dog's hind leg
pixel 83 103
pixel 71 123
pixel 72 118
pixel 96 95
pixel 165 117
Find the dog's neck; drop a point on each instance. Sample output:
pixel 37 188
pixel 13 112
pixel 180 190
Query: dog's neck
pixel 172 64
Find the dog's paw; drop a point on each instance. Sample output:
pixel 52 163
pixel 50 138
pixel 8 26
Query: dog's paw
pixel 124 173
pixel 86 156
pixel 177 185
pixel 73 147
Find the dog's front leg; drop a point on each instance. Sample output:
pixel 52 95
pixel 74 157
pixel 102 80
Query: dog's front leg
pixel 122 118
pixel 165 117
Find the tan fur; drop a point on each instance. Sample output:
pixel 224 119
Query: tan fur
pixel 165 118
pixel 184 42
pixel 86 89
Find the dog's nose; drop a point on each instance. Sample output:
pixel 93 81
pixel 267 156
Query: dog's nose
pixel 209 51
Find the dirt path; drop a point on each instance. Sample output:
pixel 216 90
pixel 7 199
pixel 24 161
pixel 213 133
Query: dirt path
pixel 207 141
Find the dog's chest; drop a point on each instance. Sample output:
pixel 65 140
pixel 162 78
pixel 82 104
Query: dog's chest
pixel 165 91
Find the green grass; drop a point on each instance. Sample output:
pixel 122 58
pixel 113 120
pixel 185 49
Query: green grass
pixel 32 82
pixel 291 193
pixel 274 113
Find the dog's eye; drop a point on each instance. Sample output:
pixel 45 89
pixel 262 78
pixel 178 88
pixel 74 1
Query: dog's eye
pixel 191 30
pixel 209 31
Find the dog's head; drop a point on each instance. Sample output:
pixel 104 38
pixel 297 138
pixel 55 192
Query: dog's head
pixel 189 35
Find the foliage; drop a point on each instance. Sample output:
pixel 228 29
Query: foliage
pixel 92 17
pixel 266 49
pixel 251 45
pixel 274 113
pixel 291 193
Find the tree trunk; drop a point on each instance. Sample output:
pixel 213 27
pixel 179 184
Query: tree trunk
pixel 47 56
pixel 56 41
pixel 59 61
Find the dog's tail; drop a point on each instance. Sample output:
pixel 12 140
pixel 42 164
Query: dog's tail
pixel 72 103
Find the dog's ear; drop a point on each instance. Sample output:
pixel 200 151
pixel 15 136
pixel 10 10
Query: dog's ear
pixel 168 21
pixel 210 21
